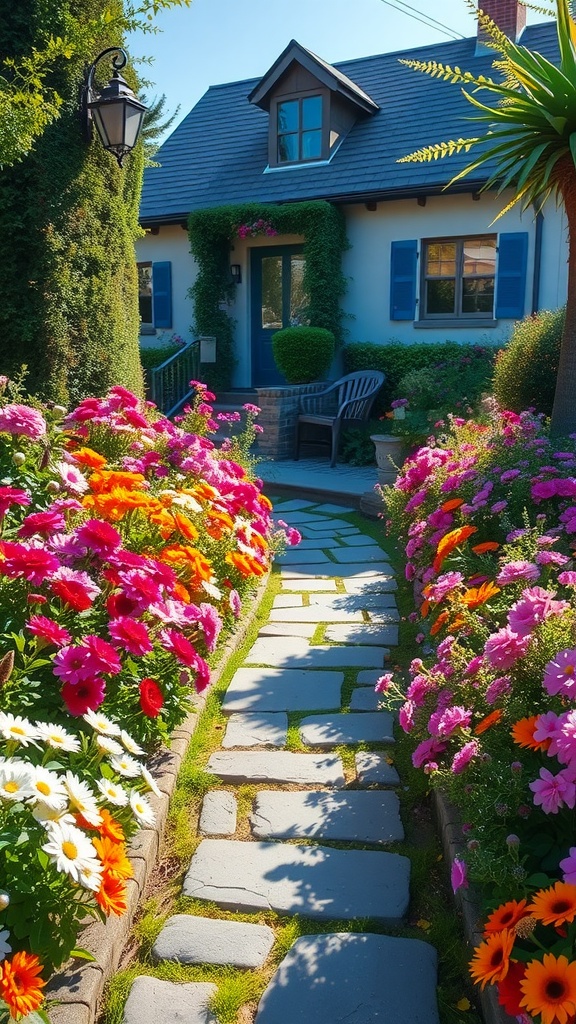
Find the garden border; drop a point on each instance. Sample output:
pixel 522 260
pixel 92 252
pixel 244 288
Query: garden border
pixel 79 988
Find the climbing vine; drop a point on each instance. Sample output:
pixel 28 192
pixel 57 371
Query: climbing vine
pixel 211 235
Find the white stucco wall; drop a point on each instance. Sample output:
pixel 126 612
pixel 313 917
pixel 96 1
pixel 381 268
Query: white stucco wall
pixel 367 267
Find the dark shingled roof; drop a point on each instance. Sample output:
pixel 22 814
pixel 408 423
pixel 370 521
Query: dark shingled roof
pixel 218 154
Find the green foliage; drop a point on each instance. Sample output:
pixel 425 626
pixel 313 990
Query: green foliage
pixel 525 371
pixel 303 354
pixel 152 357
pixel 211 234
pixel 356 448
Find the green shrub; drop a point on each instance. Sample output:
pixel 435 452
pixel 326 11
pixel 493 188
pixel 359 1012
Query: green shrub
pixel 152 357
pixel 303 354
pixel 525 372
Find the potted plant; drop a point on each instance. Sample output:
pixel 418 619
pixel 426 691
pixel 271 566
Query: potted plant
pixel 390 447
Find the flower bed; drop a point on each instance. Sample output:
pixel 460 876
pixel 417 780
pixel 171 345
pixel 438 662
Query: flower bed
pixel 487 516
pixel 127 543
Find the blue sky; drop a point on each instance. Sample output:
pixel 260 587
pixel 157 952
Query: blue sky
pixel 215 41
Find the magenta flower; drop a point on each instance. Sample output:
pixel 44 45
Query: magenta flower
pixel 551 558
pixel 12 496
pixel 102 655
pixel 427 751
pixel 496 689
pixel 21 419
pixel 445 584
pixel 552 792
pixel 458 875
pixel 48 630
pixel 99 537
pixel 406 716
pixel 568 866
pixel 503 648
pixel 462 757
pixel 72 664
pixel 130 635
pixel 517 570
pixel 177 644
pixel 42 523
pixel 560 674
pixel 202 670
pixel 568 578
pixel 24 560
pixel 444 723
pixel 384 683
pixel 534 607
pixel 84 696
pixel 210 623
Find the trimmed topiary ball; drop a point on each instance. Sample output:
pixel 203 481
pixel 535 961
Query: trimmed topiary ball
pixel 526 370
pixel 303 354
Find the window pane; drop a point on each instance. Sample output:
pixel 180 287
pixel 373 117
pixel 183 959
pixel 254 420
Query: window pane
pixel 272 292
pixel 145 293
pixel 441 259
pixel 288 116
pixel 299 299
pixel 287 148
pixel 478 295
pixel 440 296
pixel 311 145
pixel 312 112
pixel 479 256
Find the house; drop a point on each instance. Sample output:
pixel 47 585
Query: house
pixel 423 264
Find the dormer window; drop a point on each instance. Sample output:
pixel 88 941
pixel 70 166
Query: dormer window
pixel 299 129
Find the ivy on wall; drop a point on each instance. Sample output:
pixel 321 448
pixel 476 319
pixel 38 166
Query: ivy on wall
pixel 211 235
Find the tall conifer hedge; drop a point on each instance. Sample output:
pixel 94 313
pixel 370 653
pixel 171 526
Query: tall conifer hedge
pixel 68 220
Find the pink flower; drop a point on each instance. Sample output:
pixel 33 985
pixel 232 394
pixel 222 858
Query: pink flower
pixel 496 689
pixel 444 585
pixel 462 757
pixel 503 648
pixel 12 496
pixel 567 579
pixel 406 716
pixel 43 523
pixel 552 792
pixel 568 866
pixel 48 630
pixel 534 606
pixel 84 696
pixel 384 683
pixel 177 644
pixel 551 558
pixel 102 655
pixel 72 664
pixel 444 723
pixel 560 674
pixel 202 670
pixel 130 635
pixel 100 537
pixel 546 727
pixel 293 537
pixel 72 478
pixel 517 570
pixel 235 603
pixel 24 560
pixel 458 875
pixel 21 419
pixel 426 751
pixel 563 744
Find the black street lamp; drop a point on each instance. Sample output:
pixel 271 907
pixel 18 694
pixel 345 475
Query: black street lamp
pixel 114 109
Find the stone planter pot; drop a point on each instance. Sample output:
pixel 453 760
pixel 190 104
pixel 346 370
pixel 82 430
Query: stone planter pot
pixel 280 407
pixel 389 456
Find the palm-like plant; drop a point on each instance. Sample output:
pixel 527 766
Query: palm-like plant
pixel 531 144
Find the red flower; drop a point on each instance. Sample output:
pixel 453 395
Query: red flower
pixel 73 593
pixel 84 696
pixel 509 991
pixel 151 698
pixel 34 564
pixel 130 635
pixel 48 630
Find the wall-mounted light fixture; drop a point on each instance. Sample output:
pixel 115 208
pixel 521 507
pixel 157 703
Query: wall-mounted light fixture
pixel 236 273
pixel 114 109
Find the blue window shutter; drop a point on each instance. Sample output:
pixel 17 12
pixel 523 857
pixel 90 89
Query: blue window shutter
pixel 162 294
pixel 511 278
pixel 403 277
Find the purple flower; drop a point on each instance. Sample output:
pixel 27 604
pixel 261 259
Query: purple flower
pixel 458 875
pixel 496 689
pixel 462 758
pixel 568 866
pixel 560 674
pixel 384 683
pixel 520 569
pixel 552 792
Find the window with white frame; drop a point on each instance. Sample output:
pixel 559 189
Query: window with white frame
pixel 458 278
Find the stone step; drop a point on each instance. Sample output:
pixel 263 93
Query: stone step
pixel 204 940
pixel 312 881
pixel 298 654
pixel 364 698
pixel 367 634
pixel 362 601
pixel 152 1000
pixel 356 570
pixel 317 613
pixel 263 730
pixel 277 766
pixel 368 553
pixel 384 583
pixel 277 689
pixel 309 585
pixel 295 556
pixel 356 978
pixel 353 816
pixel 375 769
pixel 219 814
pixel 351 729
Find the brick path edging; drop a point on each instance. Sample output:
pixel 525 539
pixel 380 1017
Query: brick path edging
pixel 78 989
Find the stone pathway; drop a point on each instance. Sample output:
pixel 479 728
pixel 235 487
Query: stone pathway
pixel 337 589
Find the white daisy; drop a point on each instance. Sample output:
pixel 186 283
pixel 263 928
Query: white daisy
pixel 212 590
pixel 150 781
pixel 14 727
pixel 15 780
pixel 126 766
pixel 57 737
pixel 141 809
pixel 46 815
pixel 82 798
pixel 48 788
pixel 109 746
pixel 130 744
pixel 101 724
pixel 72 853
pixel 5 946
pixel 113 792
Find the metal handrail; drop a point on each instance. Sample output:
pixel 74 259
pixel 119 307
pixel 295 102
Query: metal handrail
pixel 170 382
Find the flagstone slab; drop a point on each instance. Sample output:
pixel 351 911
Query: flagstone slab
pixel 333 524
pixel 369 634
pixel 336 730
pixel 369 553
pixel 351 816
pixel 353 978
pixel 277 766
pixel 354 602
pixel 367 677
pixel 310 544
pixel 287 601
pixel 315 556
pixel 375 769
pixel 204 940
pixel 332 509
pixel 267 651
pixel 313 881
pixel 256 730
pixel 293 629
pixel 219 813
pixel 277 689
pixel 152 1000
pixel 309 585
pixel 381 584
pixel 357 570
pixel 298 516
pixel 357 540
pixel 315 613
pixel 292 505
pixel 364 698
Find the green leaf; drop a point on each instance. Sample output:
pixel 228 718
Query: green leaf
pixel 82 954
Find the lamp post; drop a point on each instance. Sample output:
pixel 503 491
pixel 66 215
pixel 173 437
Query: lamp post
pixel 114 109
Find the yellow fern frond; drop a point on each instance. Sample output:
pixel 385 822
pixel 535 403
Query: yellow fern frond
pixel 438 151
pixel 445 72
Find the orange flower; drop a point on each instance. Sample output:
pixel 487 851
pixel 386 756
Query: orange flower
pixel 549 989
pixel 451 504
pixel 106 479
pixel 523 734
pixel 487 545
pixel 109 827
pixel 203 490
pixel 424 609
pixel 186 527
pixel 88 457
pixel 111 895
pixel 265 502
pixel 20 986
pixel 246 564
pixel 475 596
pixel 556 905
pixel 487 722
pixel 506 916
pixel 113 857
pixel 451 540
pixel 439 622
pixel 181 593
pixel 194 567
pixel 491 958
pixel 217 524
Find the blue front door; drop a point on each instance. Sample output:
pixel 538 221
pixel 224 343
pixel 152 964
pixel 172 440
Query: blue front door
pixel 277 300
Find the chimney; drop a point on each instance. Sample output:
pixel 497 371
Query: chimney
pixel 508 15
